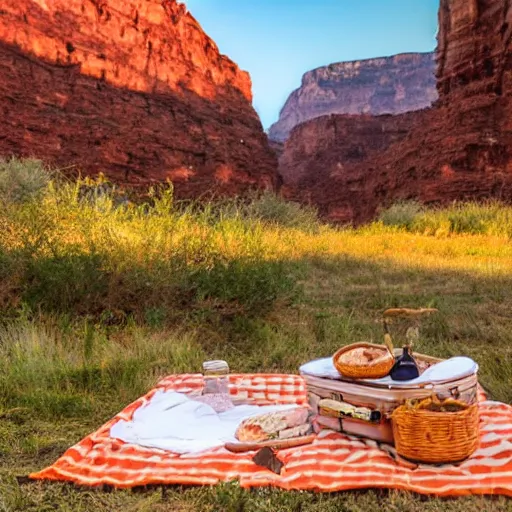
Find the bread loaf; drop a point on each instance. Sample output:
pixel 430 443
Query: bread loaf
pixel 267 426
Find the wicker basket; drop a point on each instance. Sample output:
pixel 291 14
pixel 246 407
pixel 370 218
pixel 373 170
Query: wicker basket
pixel 433 437
pixel 364 371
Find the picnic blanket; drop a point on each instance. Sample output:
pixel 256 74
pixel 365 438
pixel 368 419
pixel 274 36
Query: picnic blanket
pixel 333 462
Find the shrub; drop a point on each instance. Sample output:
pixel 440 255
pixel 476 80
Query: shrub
pixel 472 218
pixel 272 209
pixel 401 215
pixel 245 287
pixel 492 218
pixel 21 180
pixel 66 283
pixel 267 208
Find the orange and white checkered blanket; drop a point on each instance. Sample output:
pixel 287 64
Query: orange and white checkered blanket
pixel 334 462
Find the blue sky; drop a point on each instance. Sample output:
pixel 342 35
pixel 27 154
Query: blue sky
pixel 278 40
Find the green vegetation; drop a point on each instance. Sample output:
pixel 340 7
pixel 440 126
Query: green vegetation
pixel 21 180
pixel 101 297
pixel 74 250
pixel 493 218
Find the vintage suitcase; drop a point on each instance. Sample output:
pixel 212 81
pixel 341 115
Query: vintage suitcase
pixel 384 395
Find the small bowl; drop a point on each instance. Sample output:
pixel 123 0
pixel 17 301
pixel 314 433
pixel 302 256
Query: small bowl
pixel 370 370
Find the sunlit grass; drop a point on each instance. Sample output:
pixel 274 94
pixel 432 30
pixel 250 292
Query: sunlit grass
pixel 128 244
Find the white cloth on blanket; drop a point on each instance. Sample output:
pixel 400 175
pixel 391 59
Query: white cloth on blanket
pixel 445 371
pixel 174 422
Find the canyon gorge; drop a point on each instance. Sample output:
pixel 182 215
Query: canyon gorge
pixel 460 149
pixel 138 91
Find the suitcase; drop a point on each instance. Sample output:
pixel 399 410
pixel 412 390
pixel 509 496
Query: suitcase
pixel 383 397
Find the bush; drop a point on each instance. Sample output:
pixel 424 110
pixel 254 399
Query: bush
pixel 66 283
pixel 267 208
pixel 272 209
pixel 84 284
pixel 21 180
pixel 245 287
pixel 401 215
pixel 472 218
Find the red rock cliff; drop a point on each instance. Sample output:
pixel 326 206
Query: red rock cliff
pixel 335 141
pixel 461 149
pixel 387 85
pixel 132 88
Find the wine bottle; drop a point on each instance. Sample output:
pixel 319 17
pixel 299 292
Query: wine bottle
pixel 405 367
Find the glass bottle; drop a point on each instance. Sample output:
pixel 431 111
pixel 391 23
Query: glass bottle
pixel 215 377
pixel 405 367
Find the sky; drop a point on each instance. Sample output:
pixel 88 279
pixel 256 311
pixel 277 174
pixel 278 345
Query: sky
pixel 277 41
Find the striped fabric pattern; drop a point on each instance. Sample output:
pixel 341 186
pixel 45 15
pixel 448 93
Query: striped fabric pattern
pixel 334 462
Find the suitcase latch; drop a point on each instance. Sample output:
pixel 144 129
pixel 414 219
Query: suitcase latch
pixel 455 392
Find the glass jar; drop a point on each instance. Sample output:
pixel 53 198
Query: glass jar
pixel 216 379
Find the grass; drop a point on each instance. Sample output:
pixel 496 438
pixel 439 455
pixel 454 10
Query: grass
pixel 22 179
pixel 492 218
pixel 101 297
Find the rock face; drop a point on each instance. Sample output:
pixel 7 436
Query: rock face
pixel 389 85
pixel 132 88
pixel 460 149
pixel 333 142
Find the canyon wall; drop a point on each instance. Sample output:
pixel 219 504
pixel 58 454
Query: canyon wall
pixel 461 149
pixel 132 88
pixel 329 143
pixel 387 85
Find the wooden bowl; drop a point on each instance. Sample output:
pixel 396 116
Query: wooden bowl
pixel 369 370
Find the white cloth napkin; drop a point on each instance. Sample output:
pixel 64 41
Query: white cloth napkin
pixel 172 421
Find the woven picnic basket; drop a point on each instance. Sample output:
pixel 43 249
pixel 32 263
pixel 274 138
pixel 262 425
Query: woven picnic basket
pixel 434 436
pixel 364 371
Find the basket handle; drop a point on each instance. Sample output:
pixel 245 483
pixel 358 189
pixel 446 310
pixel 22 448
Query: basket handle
pixel 407 312
pixel 401 312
